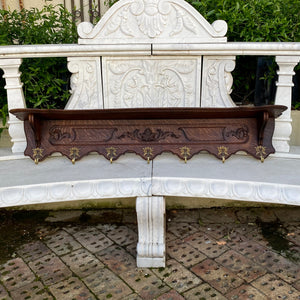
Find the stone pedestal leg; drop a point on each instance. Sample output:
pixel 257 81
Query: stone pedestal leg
pixel 15 99
pixel 151 247
pixel 283 125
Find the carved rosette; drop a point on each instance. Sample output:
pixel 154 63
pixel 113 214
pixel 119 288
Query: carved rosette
pixel 86 86
pixel 148 135
pixel 151 83
pixel 217 82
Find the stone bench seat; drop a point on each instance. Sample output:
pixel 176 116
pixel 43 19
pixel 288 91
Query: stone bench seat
pixel 241 177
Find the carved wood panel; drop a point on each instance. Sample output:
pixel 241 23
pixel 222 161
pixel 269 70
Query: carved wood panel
pixel 149 132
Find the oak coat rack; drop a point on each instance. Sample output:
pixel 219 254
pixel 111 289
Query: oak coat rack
pixel 149 132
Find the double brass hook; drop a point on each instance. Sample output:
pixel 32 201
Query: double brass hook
pixel 37 154
pixel 261 152
pixel 223 152
pixel 74 153
pixel 111 153
pixel 185 152
pixel 148 152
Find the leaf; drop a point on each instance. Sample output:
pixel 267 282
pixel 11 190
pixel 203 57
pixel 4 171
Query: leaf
pixel 291 234
pixel 221 242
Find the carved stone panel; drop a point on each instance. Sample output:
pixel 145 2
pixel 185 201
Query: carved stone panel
pixel 217 81
pixel 158 21
pixel 86 83
pixel 151 82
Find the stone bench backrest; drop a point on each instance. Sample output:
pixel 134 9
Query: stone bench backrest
pixel 128 81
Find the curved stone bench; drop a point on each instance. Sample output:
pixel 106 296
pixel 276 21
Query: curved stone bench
pixel 121 63
pixel 203 177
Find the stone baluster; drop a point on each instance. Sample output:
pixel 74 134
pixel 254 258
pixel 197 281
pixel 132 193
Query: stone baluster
pixel 283 125
pixel 151 245
pixel 15 99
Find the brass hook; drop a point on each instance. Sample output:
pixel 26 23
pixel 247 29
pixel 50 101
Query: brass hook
pixel 148 152
pixel 37 154
pixel 111 153
pixel 74 153
pixel 261 151
pixel 223 152
pixel 185 153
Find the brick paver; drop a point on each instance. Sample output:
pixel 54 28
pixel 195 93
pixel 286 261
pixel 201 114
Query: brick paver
pixel 50 269
pixel 184 253
pixel 33 251
pixel 212 254
pixel 61 242
pixel 15 273
pixel 92 239
pixel 203 291
pixel 177 276
pixel 171 295
pixel 240 265
pixel 70 289
pixel 275 288
pixel 32 291
pixel 3 293
pixel 82 262
pixel 246 292
pixel 219 277
pixel 206 244
pixel 145 283
pixel 105 284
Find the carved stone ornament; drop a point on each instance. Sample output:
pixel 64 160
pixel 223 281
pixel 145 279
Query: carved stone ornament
pixel 217 81
pixel 153 82
pixel 86 83
pixel 164 21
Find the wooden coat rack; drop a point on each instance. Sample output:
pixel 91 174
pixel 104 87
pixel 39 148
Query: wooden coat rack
pixel 149 132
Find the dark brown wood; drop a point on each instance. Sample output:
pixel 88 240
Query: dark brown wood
pixel 149 131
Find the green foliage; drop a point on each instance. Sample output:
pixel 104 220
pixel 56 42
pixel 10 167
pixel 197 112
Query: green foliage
pixel 253 21
pixel 110 3
pixel 50 25
pixel 3 115
pixel 45 79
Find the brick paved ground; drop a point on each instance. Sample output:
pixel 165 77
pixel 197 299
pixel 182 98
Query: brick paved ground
pixel 211 254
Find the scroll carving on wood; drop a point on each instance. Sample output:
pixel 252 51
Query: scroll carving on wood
pixel 149 132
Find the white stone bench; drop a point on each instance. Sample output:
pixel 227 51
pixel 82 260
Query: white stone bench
pixel 144 54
